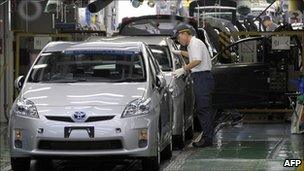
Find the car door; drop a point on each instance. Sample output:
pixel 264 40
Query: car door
pixel 165 104
pixel 241 75
pixel 189 96
pixel 187 85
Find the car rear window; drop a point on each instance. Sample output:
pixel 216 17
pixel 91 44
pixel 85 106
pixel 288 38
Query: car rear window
pixel 89 66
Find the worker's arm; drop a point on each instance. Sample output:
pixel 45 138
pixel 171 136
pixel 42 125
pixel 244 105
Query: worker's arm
pixel 180 52
pixel 192 64
pixel 185 54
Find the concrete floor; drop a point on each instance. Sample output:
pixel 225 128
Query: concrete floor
pixel 242 147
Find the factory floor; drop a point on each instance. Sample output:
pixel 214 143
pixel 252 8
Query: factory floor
pixel 250 146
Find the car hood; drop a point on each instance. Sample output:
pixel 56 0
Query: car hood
pixel 82 94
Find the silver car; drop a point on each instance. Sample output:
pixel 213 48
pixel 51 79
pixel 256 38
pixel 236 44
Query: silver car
pixel 180 88
pixel 92 99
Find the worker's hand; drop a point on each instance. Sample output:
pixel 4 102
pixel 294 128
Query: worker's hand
pixel 179 72
pixel 177 52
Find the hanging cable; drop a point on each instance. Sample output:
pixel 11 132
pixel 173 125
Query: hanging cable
pixel 3 3
pixel 258 17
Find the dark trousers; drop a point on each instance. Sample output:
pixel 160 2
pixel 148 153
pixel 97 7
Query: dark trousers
pixel 203 88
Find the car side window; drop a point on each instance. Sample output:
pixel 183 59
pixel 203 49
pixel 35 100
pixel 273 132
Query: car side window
pixel 151 66
pixel 179 61
pixel 153 61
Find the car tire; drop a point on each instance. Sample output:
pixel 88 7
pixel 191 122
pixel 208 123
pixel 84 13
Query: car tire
pixel 152 163
pixel 167 152
pixel 44 163
pixel 190 131
pixel 179 141
pixel 20 163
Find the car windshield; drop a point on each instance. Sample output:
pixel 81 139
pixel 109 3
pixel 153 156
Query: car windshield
pixel 161 53
pixel 149 27
pixel 89 66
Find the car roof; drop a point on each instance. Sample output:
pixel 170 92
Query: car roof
pixel 93 45
pixel 150 40
pixel 128 20
pixel 58 46
pixel 148 18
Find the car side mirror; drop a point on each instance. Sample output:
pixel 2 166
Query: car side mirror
pixel 19 82
pixel 160 82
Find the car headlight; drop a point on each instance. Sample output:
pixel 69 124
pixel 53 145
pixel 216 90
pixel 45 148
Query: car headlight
pixel 25 107
pixel 137 107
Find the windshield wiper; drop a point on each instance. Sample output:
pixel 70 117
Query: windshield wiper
pixel 67 80
pixel 131 80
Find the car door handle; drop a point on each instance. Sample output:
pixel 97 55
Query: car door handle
pixel 165 94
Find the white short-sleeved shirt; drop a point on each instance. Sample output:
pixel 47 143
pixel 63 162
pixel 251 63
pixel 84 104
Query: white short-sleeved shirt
pixel 197 50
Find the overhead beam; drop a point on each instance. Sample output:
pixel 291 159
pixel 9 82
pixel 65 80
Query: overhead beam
pixel 98 5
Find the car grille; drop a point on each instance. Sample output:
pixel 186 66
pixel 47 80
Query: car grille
pixel 99 118
pixel 80 145
pixel 69 119
pixel 60 118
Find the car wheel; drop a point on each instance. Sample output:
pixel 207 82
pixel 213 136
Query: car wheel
pixel 180 140
pixel 20 163
pixel 167 152
pixel 152 163
pixel 190 131
pixel 44 163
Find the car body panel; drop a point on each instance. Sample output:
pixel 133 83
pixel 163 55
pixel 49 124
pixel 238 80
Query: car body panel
pixel 240 85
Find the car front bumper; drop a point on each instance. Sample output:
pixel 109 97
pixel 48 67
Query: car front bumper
pixel 125 130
